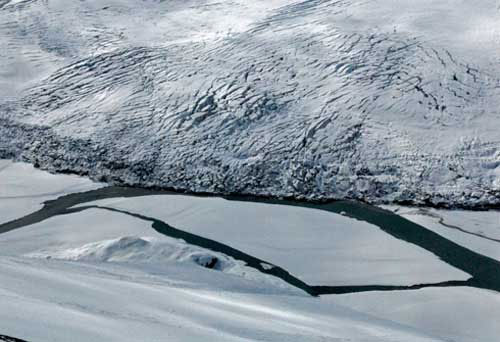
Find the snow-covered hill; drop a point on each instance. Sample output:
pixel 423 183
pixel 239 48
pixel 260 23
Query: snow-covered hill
pixel 379 100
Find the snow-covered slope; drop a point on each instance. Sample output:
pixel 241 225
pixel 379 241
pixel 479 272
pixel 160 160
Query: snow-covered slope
pixel 60 301
pixel 456 313
pixel 380 100
pixel 104 274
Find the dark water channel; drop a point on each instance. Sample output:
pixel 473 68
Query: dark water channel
pixel 484 271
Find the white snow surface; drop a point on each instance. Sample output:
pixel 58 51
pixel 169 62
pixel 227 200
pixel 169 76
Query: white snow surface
pixel 99 275
pixel 318 247
pixel 98 236
pixel 155 254
pixel 455 313
pixel 49 300
pixel 382 100
pixel 23 189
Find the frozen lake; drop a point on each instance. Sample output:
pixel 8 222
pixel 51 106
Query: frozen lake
pixel 250 249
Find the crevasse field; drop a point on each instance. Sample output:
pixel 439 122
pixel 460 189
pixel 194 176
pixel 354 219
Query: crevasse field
pixel 156 157
pixel 379 100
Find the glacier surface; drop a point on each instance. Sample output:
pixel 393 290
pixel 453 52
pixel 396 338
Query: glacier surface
pixel 383 101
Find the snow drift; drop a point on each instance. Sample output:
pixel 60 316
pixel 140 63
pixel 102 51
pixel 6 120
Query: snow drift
pixel 140 250
pixel 158 254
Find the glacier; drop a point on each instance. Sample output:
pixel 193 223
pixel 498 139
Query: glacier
pixel 381 101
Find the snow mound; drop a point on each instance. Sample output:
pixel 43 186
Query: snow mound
pixel 156 252
pixel 140 250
